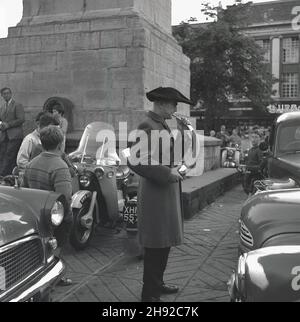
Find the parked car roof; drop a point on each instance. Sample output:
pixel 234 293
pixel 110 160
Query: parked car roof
pixel 288 117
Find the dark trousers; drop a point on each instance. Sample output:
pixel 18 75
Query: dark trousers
pixel 8 155
pixel 155 263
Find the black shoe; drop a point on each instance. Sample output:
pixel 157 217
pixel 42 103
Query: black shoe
pixel 151 299
pixel 169 289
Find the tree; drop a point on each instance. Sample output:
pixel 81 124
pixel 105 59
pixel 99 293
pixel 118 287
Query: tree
pixel 225 62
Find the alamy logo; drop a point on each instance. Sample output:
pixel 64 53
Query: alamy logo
pixel 296 20
pixel 2 279
pixel 157 147
pixel 296 279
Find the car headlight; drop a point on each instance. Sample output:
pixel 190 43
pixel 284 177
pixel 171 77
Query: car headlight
pixel 57 213
pixel 85 181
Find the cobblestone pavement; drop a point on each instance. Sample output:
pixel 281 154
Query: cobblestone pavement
pixel 107 272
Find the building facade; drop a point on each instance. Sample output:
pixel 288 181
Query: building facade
pixel 275 26
pixel 100 56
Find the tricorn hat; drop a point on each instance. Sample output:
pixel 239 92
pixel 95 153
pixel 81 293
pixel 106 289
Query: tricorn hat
pixel 167 94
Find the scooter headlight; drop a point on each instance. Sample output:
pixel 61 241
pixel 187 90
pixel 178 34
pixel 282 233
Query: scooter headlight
pixel 122 173
pixel 99 172
pixel 57 213
pixel 85 181
pixel 110 174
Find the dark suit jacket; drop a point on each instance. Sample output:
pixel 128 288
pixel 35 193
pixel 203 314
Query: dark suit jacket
pixel 14 117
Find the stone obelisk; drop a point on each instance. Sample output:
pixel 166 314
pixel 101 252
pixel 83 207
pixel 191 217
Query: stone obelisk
pixel 103 55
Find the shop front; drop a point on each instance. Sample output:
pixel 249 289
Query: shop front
pixel 244 115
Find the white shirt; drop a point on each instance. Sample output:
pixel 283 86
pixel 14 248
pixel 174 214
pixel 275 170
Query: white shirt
pixel 24 155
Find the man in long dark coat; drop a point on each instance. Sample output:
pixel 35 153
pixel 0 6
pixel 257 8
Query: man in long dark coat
pixel 160 218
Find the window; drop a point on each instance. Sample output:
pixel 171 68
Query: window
pixel 290 47
pixel 265 44
pixel 288 138
pixel 290 84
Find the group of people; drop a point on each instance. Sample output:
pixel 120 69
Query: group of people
pixel 241 135
pixel 16 150
pixel 253 144
pixel 38 156
pixel 160 206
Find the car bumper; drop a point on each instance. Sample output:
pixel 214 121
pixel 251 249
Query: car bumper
pixel 41 285
pixel 243 249
pixel 232 287
pixel 233 290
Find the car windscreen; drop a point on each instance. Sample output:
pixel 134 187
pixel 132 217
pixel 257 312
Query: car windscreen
pixel 288 138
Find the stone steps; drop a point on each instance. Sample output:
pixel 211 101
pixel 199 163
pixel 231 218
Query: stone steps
pixel 198 192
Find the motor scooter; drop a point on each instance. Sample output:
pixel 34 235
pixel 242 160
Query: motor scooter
pixel 231 156
pixel 101 197
pixel 253 175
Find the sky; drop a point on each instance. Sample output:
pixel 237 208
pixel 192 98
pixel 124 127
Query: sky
pixel 182 10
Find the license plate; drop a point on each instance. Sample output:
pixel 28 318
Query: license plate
pixel 130 213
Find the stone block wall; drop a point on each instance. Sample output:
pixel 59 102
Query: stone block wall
pixel 104 64
pixel 212 153
pixel 158 12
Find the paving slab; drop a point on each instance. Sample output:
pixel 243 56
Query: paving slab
pixel 198 192
pixel 106 272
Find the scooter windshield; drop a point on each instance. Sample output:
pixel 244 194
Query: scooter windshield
pixel 98 145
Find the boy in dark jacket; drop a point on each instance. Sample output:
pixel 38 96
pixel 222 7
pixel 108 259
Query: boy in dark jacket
pixel 255 155
pixel 255 163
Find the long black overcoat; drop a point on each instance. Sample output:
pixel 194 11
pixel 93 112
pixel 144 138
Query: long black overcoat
pixel 160 219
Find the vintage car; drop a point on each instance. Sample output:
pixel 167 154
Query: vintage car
pixel 270 218
pixel 270 223
pixel 269 265
pixel 29 268
pixel 269 274
pixel 284 144
pixel 274 213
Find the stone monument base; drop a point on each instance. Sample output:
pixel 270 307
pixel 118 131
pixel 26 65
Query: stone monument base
pixel 104 62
